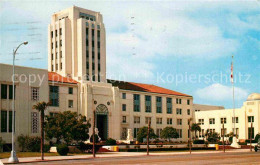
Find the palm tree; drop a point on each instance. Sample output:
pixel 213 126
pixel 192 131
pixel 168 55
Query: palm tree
pixel 195 127
pixel 41 107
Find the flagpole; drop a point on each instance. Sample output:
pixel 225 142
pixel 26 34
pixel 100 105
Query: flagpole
pixel 234 120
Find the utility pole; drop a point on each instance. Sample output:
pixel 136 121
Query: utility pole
pixel 93 136
pixel 223 141
pixel 251 135
pixel 148 134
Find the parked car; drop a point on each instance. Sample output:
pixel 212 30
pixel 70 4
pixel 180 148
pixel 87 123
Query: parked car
pixel 257 147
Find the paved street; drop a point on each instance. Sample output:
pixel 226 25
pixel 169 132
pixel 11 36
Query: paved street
pixel 210 158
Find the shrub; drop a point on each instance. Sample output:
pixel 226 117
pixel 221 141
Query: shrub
pixel 62 149
pixel 110 141
pixel 198 142
pixel 47 148
pixel 2 142
pixel 96 138
pixel 34 144
pixel 242 143
pixel 252 141
pixel 27 143
pixel 230 139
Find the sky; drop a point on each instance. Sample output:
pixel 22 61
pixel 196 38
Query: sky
pixel 186 46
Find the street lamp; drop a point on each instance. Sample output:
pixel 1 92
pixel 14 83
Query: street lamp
pixel 13 158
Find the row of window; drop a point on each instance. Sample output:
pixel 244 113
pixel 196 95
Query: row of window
pixel 7 91
pixel 6 121
pixel 56 44
pixel 159 120
pixel 56 32
pixel 93 54
pixel 148 98
pixel 223 120
pixel 54 96
pixel 148 108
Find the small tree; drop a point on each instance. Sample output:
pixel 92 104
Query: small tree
pixel 22 140
pixel 67 126
pixel 169 132
pixel 41 107
pixel 142 133
pixel 195 127
pixel 213 137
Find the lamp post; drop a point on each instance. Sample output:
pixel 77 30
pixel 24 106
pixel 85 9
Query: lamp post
pixel 13 158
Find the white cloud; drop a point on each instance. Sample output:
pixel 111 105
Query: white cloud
pixel 219 92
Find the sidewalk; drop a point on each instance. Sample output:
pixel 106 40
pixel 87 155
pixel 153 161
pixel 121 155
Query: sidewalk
pixel 114 154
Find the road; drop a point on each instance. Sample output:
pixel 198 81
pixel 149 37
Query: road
pixel 241 158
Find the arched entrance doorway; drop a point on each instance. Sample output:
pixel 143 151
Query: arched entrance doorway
pixel 102 121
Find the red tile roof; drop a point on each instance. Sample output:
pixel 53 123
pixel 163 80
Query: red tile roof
pixel 55 77
pixel 144 88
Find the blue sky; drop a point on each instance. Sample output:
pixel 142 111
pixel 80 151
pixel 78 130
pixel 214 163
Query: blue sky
pixel 184 46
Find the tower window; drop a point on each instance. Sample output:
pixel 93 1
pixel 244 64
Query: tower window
pixel 56 33
pixel 60 31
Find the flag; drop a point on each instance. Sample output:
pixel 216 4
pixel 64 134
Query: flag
pixel 231 76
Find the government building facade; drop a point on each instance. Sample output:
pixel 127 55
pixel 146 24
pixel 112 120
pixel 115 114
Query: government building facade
pixel 76 81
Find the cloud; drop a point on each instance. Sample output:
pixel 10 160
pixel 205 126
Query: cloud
pixel 219 92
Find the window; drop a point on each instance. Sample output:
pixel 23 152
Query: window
pixel 201 133
pixel 123 95
pixel 11 120
pixel 201 121
pixel 3 121
pixel 136 119
pixel 35 122
pixel 52 56
pixel 212 121
pixel 51 34
pixel 169 120
pixel 56 44
pixel 158 132
pixel 34 93
pixel 123 107
pixel 52 68
pixel 60 54
pixel 179 121
pixel 179 131
pixel 70 103
pixel 188 102
pixel 3 91
pixel 135 132
pixel 212 130
pixel 61 66
pixel 124 133
pixel 70 90
pixel 54 96
pixel 251 132
pixel 188 111
pixel 178 101
pixel 136 103
pixel 56 55
pixel 56 33
pixel 11 91
pixel 158 104
pixel 148 102
pixel 223 120
pixel 158 120
pixel 250 119
pixel 147 120
pixel 124 119
pixel 60 42
pixel 235 120
pixel 60 31
pixel 51 45
pixel 169 105
pixel 178 111
pixel 56 66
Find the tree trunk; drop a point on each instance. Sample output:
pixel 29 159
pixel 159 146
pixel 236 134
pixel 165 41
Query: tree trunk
pixel 42 135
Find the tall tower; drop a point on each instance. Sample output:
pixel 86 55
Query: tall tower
pixel 77 45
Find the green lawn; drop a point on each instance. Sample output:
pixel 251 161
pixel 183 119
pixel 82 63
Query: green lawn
pixel 34 154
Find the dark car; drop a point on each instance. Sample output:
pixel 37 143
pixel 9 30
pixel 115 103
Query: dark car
pixel 257 147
